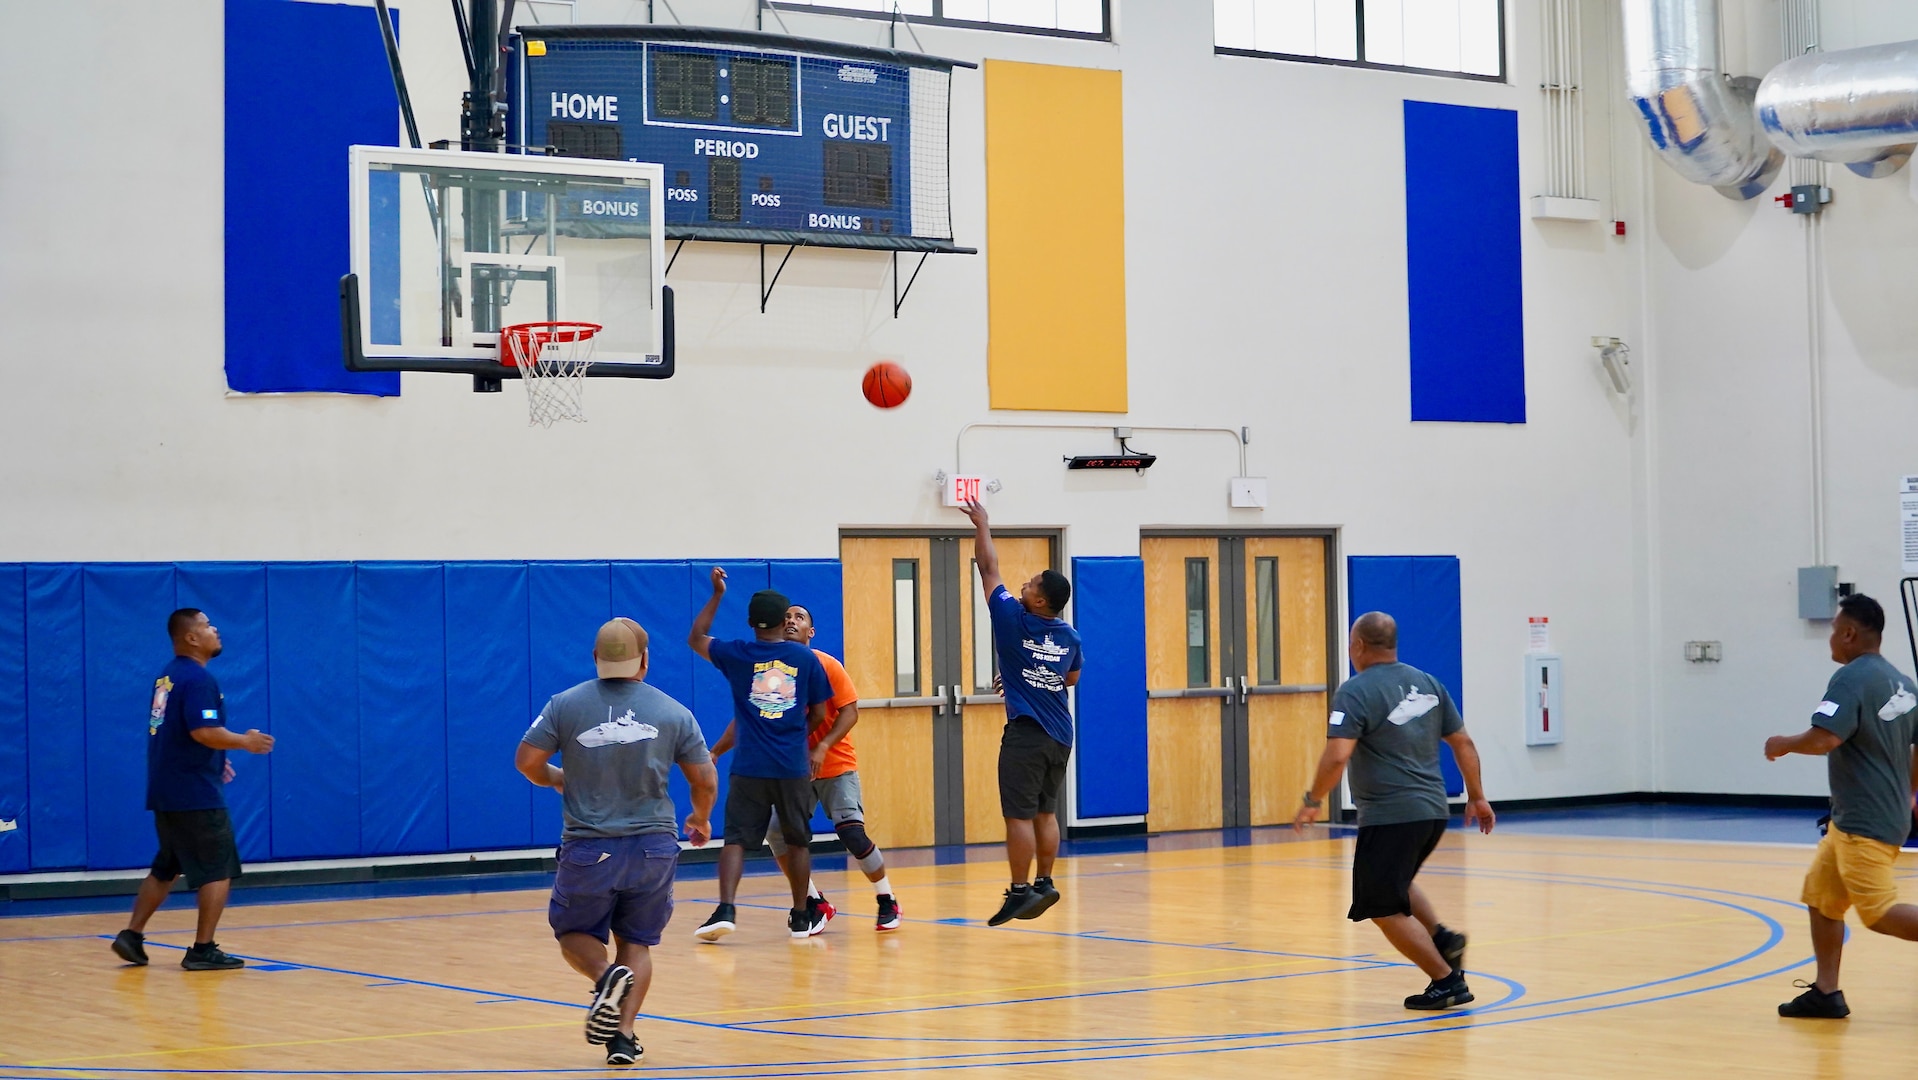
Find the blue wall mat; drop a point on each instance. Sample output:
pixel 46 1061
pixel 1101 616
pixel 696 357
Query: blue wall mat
pixel 303 82
pixel 488 706
pixel 712 699
pixel 819 585
pixel 1464 280
pixel 233 595
pixel 1422 593
pixel 316 724
pixel 1108 609
pixel 15 825
pixel 56 717
pixel 402 690
pixel 566 604
pixel 653 594
pixel 126 647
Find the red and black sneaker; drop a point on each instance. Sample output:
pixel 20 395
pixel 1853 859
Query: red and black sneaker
pixel 888 913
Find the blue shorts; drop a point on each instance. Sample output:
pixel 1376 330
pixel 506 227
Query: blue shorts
pixel 621 884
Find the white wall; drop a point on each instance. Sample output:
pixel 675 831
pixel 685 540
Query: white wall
pixel 1265 269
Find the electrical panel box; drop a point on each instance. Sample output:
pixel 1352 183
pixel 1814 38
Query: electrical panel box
pixel 1544 696
pixel 1817 592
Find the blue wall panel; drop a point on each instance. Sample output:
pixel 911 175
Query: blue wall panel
pixel 56 717
pixel 653 594
pixel 488 706
pixel 1422 593
pixel 126 647
pixel 712 700
pixel 1108 604
pixel 303 83
pixel 1464 280
pixel 233 595
pixel 819 585
pixel 402 695
pixel 316 724
pixel 566 604
pixel 15 824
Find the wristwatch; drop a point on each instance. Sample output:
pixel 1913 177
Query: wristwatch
pixel 1308 800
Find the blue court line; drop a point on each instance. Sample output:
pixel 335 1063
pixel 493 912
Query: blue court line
pixel 283 926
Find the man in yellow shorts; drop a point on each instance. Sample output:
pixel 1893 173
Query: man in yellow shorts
pixel 1865 728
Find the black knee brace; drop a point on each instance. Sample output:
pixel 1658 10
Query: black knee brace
pixel 853 835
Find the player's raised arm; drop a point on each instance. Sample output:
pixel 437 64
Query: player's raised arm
pixel 982 550
pixel 701 634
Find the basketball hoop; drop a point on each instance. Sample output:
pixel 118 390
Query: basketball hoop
pixel 552 358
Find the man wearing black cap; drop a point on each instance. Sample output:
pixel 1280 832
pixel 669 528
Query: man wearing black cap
pixel 780 692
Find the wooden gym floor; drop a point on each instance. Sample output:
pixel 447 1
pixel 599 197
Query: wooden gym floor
pixel 1181 956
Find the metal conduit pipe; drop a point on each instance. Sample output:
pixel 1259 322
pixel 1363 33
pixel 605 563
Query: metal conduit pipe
pixel 1700 122
pixel 1856 107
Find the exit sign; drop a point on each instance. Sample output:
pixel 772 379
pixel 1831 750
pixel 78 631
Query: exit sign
pixel 961 490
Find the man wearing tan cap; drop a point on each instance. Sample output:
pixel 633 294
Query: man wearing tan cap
pixel 618 738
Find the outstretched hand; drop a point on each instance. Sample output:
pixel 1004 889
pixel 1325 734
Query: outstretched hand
pixel 719 580
pixel 976 513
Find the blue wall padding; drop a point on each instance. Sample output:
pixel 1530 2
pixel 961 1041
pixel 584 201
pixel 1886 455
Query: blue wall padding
pixel 566 604
pixel 397 692
pixel 488 706
pixel 234 597
pixel 1108 609
pixel 1422 593
pixel 15 825
pixel 56 717
pixel 819 585
pixel 1465 287
pixel 303 83
pixel 402 692
pixel 712 701
pixel 311 644
pixel 126 646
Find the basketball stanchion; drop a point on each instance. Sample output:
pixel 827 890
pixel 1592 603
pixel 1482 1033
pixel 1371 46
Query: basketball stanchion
pixel 552 358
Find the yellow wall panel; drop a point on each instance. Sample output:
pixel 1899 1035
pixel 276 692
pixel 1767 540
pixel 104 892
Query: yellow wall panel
pixel 1055 238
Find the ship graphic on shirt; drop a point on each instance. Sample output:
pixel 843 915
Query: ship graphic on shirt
pixel 618 730
pixel 1901 703
pixel 774 690
pixel 1415 705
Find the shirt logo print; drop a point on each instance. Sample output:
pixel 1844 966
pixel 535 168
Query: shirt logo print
pixel 1415 705
pixel 617 731
pixel 775 689
pixel 161 688
pixel 1901 703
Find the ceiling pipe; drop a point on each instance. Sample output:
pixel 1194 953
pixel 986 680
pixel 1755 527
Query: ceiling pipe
pixel 1854 107
pixel 1700 122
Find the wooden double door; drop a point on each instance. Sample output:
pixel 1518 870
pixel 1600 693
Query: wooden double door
pixel 919 648
pixel 1239 656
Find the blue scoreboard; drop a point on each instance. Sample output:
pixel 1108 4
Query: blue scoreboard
pixel 764 138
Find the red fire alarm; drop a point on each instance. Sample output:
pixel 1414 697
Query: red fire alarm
pixel 1618 228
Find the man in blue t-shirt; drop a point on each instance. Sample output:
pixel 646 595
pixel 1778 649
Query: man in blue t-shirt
pixel 780 692
pixel 187 741
pixel 1038 656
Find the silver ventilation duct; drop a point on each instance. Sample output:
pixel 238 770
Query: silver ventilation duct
pixel 1857 107
pixel 1699 121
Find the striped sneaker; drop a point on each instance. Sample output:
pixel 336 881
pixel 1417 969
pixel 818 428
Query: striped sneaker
pixel 609 993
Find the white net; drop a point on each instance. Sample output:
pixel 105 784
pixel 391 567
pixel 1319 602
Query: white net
pixel 552 358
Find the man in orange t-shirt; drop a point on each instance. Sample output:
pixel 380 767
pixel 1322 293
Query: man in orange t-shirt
pixel 835 765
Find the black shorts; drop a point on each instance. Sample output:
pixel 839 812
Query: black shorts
pixel 751 800
pixel 197 843
pixel 1387 859
pixel 1032 769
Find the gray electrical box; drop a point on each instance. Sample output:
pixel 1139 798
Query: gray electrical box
pixel 1817 592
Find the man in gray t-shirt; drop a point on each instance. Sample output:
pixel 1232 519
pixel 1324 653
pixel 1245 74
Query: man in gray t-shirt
pixel 1865 727
pixel 619 739
pixel 1387 722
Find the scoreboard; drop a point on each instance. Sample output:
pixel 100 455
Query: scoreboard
pixel 764 138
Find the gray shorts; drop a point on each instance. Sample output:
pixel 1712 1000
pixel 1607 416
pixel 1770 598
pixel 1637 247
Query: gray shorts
pixel 838 795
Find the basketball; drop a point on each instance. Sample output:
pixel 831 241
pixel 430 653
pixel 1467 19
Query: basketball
pixel 887 385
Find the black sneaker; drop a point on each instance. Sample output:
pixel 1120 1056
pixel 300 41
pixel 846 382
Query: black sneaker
pixel 1441 994
pixel 1019 900
pixel 1815 1004
pixel 623 1050
pixel 609 993
pixel 888 913
pixel 131 946
pixel 209 957
pixel 1451 946
pixel 818 914
pixel 718 926
pixel 799 922
pixel 1048 896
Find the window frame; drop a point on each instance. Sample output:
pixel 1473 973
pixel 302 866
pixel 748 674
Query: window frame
pixel 918 676
pixel 804 7
pixel 1205 653
pixel 1504 54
